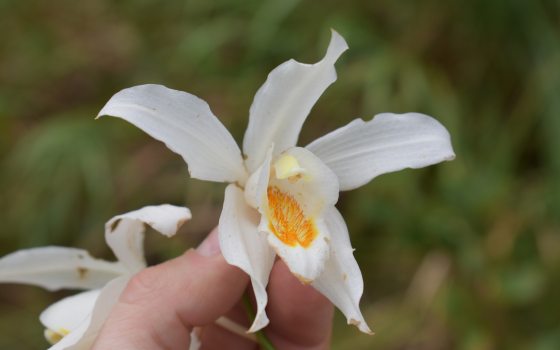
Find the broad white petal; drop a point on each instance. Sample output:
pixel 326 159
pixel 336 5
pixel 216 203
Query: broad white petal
pixel 66 315
pixel 186 125
pixel 341 281
pixel 284 101
pixel 243 246
pixel 294 209
pixel 57 267
pixel 360 151
pixel 84 335
pixel 125 233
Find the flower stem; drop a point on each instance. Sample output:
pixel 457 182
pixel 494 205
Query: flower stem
pixel 262 339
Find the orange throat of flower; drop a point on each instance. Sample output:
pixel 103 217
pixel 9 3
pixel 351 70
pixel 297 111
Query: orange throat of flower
pixel 287 220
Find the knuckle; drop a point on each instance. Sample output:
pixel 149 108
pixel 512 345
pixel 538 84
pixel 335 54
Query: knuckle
pixel 142 287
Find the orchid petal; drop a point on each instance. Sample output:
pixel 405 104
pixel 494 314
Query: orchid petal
pixel 281 105
pixel 125 233
pixel 360 151
pixel 243 246
pixel 57 267
pixel 257 184
pixel 306 263
pixel 341 281
pixel 186 125
pixel 85 334
pixel 67 314
pixel 294 209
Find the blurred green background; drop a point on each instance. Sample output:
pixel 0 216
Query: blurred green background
pixel 462 255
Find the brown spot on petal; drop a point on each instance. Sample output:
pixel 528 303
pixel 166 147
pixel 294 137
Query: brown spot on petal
pixel 302 279
pixel 295 178
pixel 357 324
pixel 82 272
pixel 115 224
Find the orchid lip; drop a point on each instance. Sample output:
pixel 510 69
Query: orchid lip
pixel 287 221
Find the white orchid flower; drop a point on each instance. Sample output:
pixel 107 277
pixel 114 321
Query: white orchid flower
pixel 281 198
pixel 74 322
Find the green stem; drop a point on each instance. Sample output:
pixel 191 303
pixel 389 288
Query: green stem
pixel 262 339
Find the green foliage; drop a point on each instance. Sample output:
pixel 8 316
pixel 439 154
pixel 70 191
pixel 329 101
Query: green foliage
pixel 462 255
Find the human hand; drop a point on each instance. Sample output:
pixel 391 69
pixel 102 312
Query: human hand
pixel 162 304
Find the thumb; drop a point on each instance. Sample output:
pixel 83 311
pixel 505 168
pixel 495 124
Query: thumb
pixel 161 304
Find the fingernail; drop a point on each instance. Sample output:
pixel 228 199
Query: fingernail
pixel 210 246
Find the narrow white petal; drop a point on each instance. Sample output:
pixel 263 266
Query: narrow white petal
pixel 57 267
pixel 256 186
pixel 186 125
pixel 360 151
pixel 284 101
pixel 66 315
pixel 83 337
pixel 293 213
pixel 243 246
pixel 125 233
pixel 341 281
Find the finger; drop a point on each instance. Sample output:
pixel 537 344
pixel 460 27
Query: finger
pixel 221 336
pixel 300 317
pixel 218 336
pixel 161 304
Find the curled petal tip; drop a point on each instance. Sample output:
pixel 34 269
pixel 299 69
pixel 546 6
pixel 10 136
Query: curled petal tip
pixel 450 157
pixel 255 327
pixel 362 326
pixel 336 47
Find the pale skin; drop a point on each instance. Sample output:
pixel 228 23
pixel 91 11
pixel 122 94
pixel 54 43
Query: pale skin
pixel 161 305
